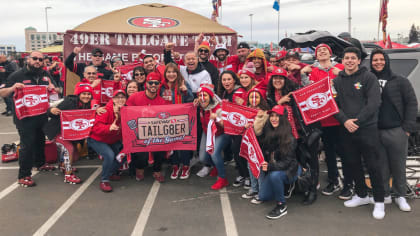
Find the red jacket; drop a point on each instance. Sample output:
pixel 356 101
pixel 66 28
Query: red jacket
pixel 140 99
pixel 100 130
pixel 318 74
pixel 231 63
pixel 205 118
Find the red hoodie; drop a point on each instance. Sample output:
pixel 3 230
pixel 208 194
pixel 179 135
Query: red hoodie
pixel 140 99
pixel 100 130
pixel 318 74
pixel 205 118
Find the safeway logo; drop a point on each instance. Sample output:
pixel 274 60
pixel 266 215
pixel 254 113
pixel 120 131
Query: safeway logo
pixel 31 100
pixel 153 22
pixel 79 124
pixel 317 101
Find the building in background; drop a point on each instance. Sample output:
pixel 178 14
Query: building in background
pixel 35 40
pixel 7 49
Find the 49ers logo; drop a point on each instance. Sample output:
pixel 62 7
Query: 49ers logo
pixel 237 119
pixel 109 91
pixel 79 124
pixel 31 100
pixel 152 22
pixel 252 154
pixel 317 100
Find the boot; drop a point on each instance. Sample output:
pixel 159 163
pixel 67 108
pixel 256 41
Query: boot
pixel 310 198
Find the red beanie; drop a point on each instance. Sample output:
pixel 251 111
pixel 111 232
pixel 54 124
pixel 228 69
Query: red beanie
pixel 205 45
pixel 208 88
pixel 249 69
pixel 258 90
pixel 320 46
pixel 81 88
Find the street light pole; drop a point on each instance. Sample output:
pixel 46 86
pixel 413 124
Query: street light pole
pixel 250 15
pixel 349 30
pixel 46 21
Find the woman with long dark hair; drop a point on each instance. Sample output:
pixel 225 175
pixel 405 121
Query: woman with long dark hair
pixel 175 90
pixel 139 75
pixel 280 165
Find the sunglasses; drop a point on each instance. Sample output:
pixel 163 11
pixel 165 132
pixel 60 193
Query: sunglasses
pixel 153 82
pixel 97 55
pixel 91 73
pixel 203 50
pixel 120 97
pixel 38 58
pixel 137 74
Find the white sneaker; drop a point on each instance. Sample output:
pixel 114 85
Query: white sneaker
pixel 402 204
pixel 387 200
pixel 379 211
pixel 356 201
pixel 204 171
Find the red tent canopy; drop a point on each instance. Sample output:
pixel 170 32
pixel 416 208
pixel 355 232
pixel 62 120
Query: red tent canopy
pixel 394 45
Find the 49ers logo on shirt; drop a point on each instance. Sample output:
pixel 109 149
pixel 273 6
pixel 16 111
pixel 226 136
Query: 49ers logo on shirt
pixel 31 100
pixel 152 22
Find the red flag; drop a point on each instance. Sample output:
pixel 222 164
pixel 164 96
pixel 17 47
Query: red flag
pixel 211 137
pixel 250 150
pixel 383 15
pixel 107 89
pixel 235 117
pixel 31 101
pixel 159 128
pixel 388 43
pixel 76 124
pixel 315 101
pixel 127 70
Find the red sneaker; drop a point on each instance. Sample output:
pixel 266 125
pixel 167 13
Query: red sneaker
pixel 213 172
pixel 220 183
pixel 175 172
pixel 105 187
pixel 73 169
pixel 158 177
pixel 115 177
pixel 139 177
pixel 26 182
pixel 72 179
pixel 185 172
pixel 46 167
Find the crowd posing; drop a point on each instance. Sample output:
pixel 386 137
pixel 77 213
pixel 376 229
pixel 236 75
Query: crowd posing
pixel 377 113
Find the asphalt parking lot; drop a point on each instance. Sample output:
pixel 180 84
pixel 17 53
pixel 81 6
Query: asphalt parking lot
pixel 175 207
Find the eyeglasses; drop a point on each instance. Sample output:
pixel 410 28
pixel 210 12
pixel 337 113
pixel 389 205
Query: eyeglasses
pixel 137 74
pixel 91 73
pixel 97 55
pixel 203 50
pixel 38 58
pixel 153 82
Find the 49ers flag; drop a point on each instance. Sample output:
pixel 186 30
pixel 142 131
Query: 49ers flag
pixel 159 128
pixel 32 100
pixel 250 150
pixel 107 89
pixel 76 124
pixel 127 70
pixel 235 117
pixel 315 101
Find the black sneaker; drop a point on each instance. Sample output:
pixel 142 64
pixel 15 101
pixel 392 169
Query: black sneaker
pixel 346 193
pixel 277 212
pixel 289 191
pixel 249 195
pixel 330 189
pixel 247 183
pixel 239 181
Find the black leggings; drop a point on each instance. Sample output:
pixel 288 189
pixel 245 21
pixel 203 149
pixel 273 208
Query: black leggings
pixel 140 160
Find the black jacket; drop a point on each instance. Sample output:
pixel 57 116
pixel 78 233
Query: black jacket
pixel 358 97
pixel 9 68
pixel 397 96
pixel 53 127
pixel 103 71
pixel 213 71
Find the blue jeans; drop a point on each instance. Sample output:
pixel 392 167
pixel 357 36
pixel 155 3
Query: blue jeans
pixel 108 151
pixel 216 159
pixel 272 185
pixel 255 183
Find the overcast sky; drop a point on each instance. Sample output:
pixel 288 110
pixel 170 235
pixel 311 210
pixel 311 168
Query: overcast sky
pixel 295 16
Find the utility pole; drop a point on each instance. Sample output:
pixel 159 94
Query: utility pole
pixel 349 26
pixel 46 20
pixel 250 15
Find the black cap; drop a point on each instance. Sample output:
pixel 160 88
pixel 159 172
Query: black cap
pixel 97 50
pixel 292 53
pixel 243 45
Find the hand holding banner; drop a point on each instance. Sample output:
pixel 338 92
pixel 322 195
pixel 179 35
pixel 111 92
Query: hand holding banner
pixel 76 124
pixel 235 117
pixel 107 89
pixel 31 101
pixel 250 150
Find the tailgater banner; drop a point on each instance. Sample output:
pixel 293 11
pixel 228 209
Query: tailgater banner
pixel 159 128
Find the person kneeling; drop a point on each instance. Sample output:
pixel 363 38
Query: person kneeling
pixel 280 165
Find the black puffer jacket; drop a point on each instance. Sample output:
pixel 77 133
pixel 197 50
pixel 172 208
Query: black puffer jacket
pixel 53 127
pixel 397 95
pixel 103 70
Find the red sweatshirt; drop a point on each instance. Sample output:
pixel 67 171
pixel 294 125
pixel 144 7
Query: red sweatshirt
pixel 100 130
pixel 140 99
pixel 205 118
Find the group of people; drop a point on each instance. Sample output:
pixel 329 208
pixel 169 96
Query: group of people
pixel 377 113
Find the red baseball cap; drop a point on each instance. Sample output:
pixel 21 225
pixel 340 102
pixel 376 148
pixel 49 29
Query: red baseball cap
pixel 278 109
pixel 153 76
pixel 279 71
pixel 116 92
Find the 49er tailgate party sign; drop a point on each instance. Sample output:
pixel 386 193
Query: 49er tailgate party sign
pixel 159 128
